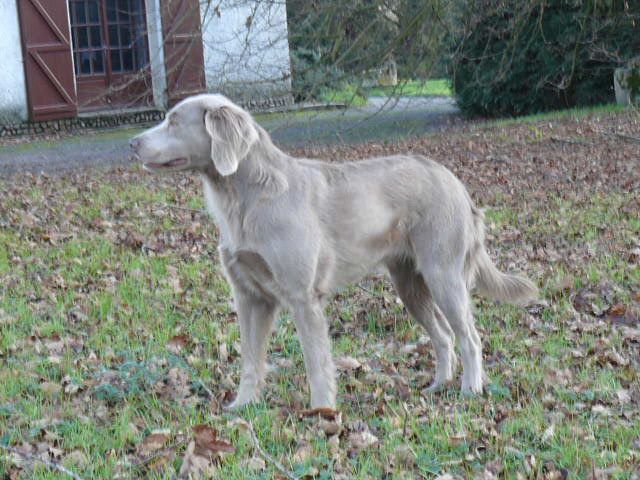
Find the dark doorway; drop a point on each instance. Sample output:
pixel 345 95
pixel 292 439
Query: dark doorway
pixel 111 53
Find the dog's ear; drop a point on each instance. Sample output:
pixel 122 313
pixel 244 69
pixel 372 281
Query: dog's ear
pixel 232 135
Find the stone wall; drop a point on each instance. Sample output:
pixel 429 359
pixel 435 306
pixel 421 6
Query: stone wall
pixel 113 120
pixel 70 125
pixel 267 104
pixel 626 82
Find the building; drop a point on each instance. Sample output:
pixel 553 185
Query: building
pixel 65 58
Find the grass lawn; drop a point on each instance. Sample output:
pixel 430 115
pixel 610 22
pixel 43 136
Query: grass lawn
pixel 357 96
pixel 117 336
pixel 575 113
pixel 349 95
pixel 415 88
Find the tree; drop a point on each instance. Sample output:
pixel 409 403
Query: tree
pixel 511 57
pixel 333 42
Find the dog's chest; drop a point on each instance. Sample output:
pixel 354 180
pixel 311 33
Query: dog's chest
pixel 249 271
pixel 213 202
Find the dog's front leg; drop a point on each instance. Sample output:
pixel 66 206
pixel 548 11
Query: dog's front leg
pixel 255 319
pixel 313 331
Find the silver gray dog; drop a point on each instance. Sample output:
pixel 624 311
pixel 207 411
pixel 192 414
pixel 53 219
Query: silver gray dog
pixel 293 231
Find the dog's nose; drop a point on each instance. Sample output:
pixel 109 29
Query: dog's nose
pixel 134 143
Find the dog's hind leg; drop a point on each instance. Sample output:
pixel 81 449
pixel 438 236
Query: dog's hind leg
pixel 449 289
pixel 415 294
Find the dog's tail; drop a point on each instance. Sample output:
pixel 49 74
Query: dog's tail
pixel 487 279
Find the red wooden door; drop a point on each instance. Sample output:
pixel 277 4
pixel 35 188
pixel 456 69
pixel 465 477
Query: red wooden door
pixel 183 50
pixel 44 25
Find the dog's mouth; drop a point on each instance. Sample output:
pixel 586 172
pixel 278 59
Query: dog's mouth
pixel 174 164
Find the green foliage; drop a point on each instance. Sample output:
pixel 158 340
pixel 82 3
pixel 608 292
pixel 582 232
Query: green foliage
pixel 312 76
pixel 335 43
pixel 514 58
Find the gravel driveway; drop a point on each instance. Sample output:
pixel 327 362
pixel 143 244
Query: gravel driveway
pixel 382 119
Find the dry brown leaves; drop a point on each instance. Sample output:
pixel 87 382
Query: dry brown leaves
pixel 519 167
pixel 203 451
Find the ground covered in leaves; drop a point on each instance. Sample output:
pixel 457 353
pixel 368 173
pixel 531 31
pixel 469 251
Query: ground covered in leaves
pixel 118 343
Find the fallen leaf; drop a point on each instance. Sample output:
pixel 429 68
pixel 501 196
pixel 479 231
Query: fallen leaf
pixel 176 384
pixel 583 301
pixel 331 426
pixel 623 396
pixel 405 456
pixel 303 452
pixel 493 469
pixel 177 343
pixel 457 438
pixel 324 412
pixel 619 309
pixel 78 458
pixel 601 410
pixel 621 314
pixel 50 388
pixel 447 476
pixel 362 440
pixel 254 464
pixel 563 286
pixel 198 460
pixel 208 443
pixel 173 279
pixel 311 472
pixel 195 466
pixel 614 358
pixel 347 364
pixel 152 443
pixel 55 453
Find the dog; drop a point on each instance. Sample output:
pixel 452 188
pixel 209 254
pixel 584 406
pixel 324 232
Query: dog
pixel 295 230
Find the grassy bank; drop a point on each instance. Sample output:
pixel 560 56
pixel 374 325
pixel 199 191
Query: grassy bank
pixel 117 334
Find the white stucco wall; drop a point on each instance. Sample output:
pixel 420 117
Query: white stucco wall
pixel 13 93
pixel 246 59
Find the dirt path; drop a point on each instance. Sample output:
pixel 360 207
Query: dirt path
pixel 380 120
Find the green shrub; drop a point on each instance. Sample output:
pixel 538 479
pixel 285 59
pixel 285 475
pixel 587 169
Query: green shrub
pixel 333 43
pixel 513 57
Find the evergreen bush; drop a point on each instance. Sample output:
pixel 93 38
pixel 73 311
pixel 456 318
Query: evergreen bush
pixel 512 57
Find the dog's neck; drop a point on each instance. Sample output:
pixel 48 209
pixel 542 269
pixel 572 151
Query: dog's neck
pixel 260 175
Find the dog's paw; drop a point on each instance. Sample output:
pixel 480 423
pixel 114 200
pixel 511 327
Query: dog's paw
pixel 245 397
pixel 239 403
pixel 437 386
pixel 471 388
pixel 324 402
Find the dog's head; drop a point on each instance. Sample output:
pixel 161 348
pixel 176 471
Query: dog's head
pixel 197 131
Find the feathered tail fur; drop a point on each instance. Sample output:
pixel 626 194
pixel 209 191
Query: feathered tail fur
pixel 487 279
